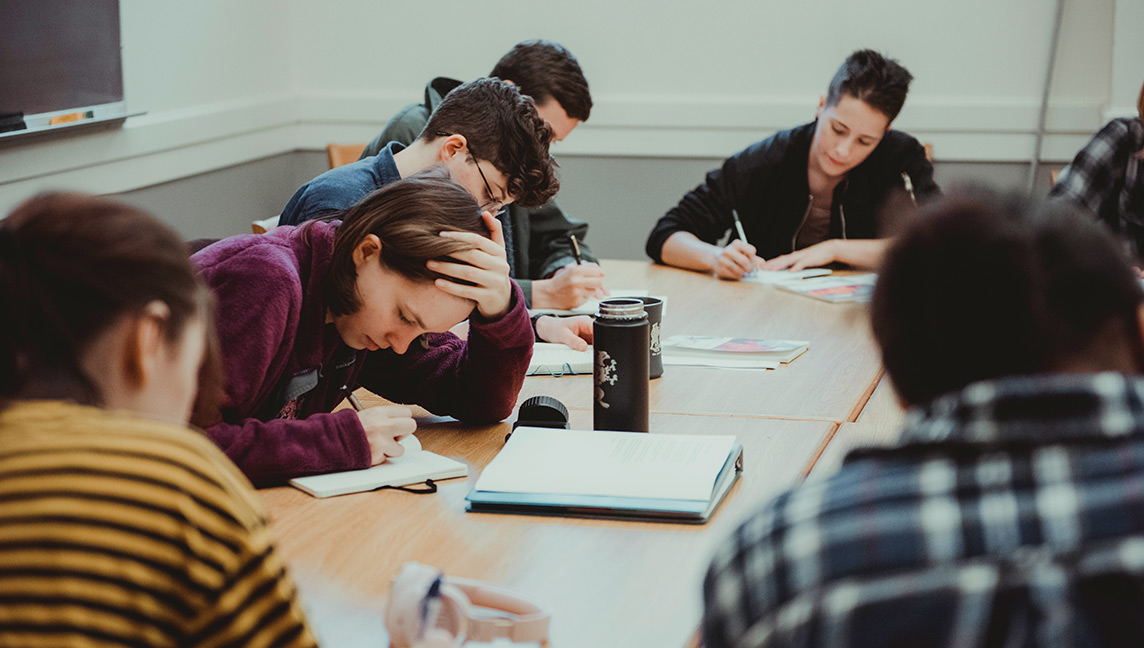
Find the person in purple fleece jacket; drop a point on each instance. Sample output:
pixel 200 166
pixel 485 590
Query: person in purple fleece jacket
pixel 307 314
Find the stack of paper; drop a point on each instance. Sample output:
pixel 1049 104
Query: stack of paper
pixel 770 277
pixel 544 471
pixel 853 288
pixel 730 353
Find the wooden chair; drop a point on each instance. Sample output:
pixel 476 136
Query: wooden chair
pixel 339 154
pixel 928 146
pixel 1053 175
pixel 265 225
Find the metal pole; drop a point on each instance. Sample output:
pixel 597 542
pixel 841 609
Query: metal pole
pixel 1040 138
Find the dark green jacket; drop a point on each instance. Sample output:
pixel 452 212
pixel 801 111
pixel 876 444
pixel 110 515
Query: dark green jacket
pixel 539 235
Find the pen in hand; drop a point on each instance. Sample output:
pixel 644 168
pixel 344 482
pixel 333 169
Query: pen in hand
pixel 742 234
pixel 430 607
pixel 354 401
pixel 575 249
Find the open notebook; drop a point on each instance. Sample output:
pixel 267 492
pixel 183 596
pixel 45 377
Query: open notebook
pixel 413 467
pixel 592 473
pixel 550 359
pixel 836 290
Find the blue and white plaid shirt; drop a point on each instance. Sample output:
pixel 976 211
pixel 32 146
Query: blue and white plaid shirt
pixel 1011 514
pixel 1107 178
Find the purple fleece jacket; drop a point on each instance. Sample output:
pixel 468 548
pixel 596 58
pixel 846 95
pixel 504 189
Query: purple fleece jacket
pixel 276 345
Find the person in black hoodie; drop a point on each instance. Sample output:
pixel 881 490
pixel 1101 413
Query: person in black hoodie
pixel 808 196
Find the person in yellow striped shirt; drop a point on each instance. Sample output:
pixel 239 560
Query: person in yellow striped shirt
pixel 119 526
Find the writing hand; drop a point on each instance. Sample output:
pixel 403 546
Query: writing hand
pixel 736 260
pixel 384 427
pixel 569 287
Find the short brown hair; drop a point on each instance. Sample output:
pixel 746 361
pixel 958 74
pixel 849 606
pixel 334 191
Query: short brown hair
pixel 545 70
pixel 501 126
pixel 984 285
pixel 70 266
pixel 408 217
pixel 873 79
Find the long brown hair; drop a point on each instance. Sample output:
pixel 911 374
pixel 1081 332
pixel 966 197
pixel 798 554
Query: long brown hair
pixel 1140 113
pixel 70 266
pixel 408 217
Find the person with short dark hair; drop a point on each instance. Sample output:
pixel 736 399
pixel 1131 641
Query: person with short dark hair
pixel 489 137
pixel 543 263
pixel 1009 512
pixel 367 297
pixel 119 526
pixel 1107 178
pixel 808 196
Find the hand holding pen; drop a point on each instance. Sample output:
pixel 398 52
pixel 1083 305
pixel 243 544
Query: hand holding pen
pixel 738 259
pixel 384 428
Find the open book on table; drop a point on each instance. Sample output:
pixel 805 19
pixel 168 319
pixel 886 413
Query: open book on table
pixel 549 359
pixel 591 473
pixel 414 467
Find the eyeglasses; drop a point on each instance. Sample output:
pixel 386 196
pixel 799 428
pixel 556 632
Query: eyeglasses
pixel 493 202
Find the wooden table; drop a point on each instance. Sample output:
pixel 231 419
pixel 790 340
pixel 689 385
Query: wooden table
pixel 830 382
pixel 609 583
pixel 612 583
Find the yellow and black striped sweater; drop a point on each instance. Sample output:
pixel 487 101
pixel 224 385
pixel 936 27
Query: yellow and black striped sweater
pixel 121 531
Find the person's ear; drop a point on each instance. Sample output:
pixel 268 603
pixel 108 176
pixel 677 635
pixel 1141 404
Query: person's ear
pixel 452 146
pixel 144 344
pixel 821 105
pixel 1140 337
pixel 367 251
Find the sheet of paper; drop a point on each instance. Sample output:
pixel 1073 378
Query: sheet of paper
pixel 624 464
pixel 721 363
pixel 769 277
pixel 592 305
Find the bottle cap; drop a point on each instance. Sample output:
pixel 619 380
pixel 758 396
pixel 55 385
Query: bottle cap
pixel 622 308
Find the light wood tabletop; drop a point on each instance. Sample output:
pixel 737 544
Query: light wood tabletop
pixel 831 381
pixel 848 437
pixel 608 583
pixel 617 583
pixel 883 406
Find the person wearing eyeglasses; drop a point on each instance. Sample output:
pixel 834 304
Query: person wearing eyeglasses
pixel 544 263
pixel 810 195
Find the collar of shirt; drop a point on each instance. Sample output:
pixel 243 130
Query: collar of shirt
pixel 1039 409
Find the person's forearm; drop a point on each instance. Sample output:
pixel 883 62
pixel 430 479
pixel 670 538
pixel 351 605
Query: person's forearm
pixel 685 250
pixel 861 253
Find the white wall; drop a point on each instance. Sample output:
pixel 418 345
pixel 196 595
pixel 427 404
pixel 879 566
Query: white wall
pixel 215 81
pixel 229 81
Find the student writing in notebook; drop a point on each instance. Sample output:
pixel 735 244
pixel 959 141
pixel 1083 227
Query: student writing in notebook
pixel 1009 514
pixel 1107 178
pixel 810 195
pixel 120 526
pixel 541 255
pixel 307 314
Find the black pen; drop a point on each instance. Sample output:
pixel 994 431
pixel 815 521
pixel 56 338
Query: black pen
pixel 575 248
pixel 352 399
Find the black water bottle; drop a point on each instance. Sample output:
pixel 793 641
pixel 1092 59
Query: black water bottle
pixel 620 344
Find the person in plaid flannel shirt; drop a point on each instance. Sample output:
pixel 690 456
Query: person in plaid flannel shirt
pixel 1012 511
pixel 1107 178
